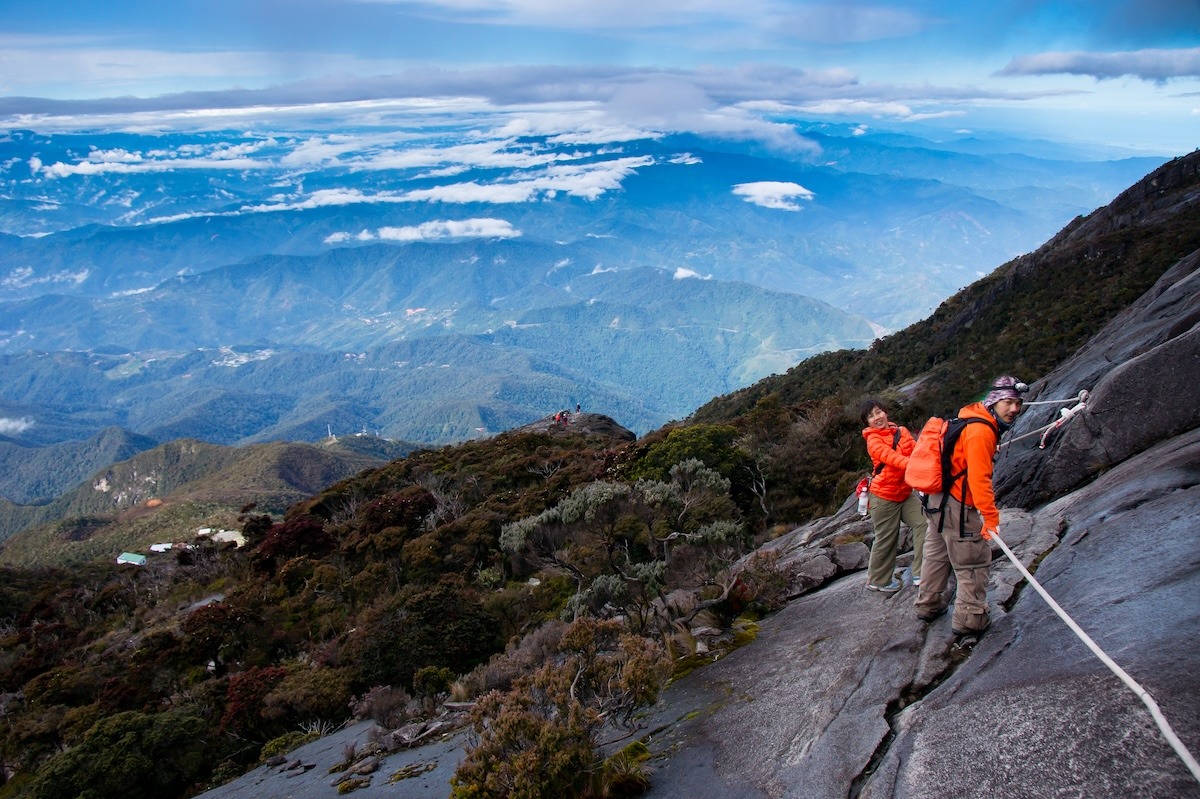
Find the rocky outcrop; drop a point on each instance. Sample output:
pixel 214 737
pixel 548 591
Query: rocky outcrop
pixel 588 424
pixel 846 693
pixel 1141 371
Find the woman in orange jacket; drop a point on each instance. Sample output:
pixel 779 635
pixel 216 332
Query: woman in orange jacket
pixel 891 500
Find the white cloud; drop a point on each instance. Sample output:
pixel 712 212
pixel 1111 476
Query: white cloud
pixel 475 193
pixel 498 152
pixel 23 277
pixel 1152 65
pixel 683 273
pixel 445 172
pixel 14 427
pixel 586 180
pixel 773 194
pixel 849 107
pixel 681 103
pixel 590 180
pixel 114 156
pixel 479 228
pixel 326 198
pixel 61 170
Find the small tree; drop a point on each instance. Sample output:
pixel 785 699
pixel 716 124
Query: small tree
pixel 539 740
pixel 431 684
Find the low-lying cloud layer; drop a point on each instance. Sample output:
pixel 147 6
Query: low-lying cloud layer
pixel 433 231
pixel 14 427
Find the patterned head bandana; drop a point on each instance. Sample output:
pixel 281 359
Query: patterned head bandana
pixel 1005 387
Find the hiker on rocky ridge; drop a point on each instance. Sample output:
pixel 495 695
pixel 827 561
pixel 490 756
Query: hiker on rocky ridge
pixel 961 530
pixel 891 500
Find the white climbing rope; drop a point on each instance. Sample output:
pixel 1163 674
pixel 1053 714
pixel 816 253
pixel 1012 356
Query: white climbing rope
pixel 1064 415
pixel 1144 695
pixel 1082 396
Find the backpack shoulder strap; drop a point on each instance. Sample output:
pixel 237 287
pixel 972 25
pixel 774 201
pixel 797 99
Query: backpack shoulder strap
pixel 895 445
pixel 954 428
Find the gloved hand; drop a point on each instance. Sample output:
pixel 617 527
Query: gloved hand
pixel 987 534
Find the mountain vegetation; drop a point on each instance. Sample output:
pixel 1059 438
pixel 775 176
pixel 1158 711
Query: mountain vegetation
pixel 29 475
pixel 549 575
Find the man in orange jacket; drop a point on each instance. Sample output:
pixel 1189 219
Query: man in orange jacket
pixel 969 516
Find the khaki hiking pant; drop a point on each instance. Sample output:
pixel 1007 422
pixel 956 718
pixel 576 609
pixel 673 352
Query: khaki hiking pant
pixel 886 516
pixel 970 557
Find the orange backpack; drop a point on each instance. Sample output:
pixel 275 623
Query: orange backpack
pixel 928 468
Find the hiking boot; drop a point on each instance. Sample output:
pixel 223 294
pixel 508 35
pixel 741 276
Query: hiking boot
pixel 965 641
pixel 984 620
pixel 891 588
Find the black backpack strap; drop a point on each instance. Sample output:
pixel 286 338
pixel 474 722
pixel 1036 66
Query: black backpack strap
pixel 895 445
pixel 949 479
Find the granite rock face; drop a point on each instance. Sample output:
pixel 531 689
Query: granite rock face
pixel 846 693
pixel 1033 712
pixel 1141 372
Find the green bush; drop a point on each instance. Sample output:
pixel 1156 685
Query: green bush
pixel 286 743
pixel 132 755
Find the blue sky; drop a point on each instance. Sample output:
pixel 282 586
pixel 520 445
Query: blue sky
pixel 1098 72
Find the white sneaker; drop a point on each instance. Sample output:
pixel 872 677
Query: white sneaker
pixel 916 580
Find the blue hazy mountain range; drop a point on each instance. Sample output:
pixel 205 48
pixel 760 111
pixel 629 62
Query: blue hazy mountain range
pixel 432 287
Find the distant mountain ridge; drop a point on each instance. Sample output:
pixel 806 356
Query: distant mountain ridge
pixel 31 475
pixel 1064 290
pixel 175 487
pixel 254 303
pixel 643 343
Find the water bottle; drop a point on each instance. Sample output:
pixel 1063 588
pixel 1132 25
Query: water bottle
pixel 863 492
